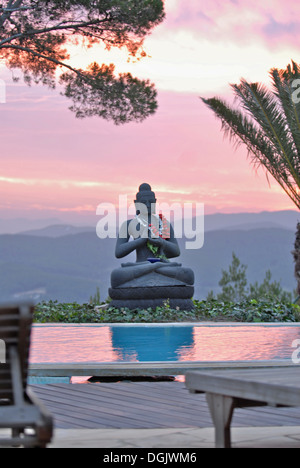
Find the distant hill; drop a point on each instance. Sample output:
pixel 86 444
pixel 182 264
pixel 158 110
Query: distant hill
pixel 58 230
pixel 69 267
pixel 53 227
pixel 16 225
pixel 286 219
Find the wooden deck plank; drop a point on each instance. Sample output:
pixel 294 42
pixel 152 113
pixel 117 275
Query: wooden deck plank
pixel 158 414
pixel 83 408
pixel 132 393
pixel 280 416
pixel 136 396
pixel 144 405
pixel 110 398
pixel 154 410
pixel 111 407
pixel 142 368
pixel 65 416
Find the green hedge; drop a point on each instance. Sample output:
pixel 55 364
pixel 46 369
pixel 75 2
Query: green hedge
pixel 246 311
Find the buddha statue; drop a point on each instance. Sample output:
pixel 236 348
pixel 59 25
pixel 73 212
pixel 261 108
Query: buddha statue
pixel 153 278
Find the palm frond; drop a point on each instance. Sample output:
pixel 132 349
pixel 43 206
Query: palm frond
pixel 284 88
pixel 265 109
pixel 240 129
pixel 268 123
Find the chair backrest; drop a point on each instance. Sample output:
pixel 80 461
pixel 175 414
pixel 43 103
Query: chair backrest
pixel 15 330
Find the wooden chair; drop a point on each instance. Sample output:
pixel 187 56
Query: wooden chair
pixel 30 423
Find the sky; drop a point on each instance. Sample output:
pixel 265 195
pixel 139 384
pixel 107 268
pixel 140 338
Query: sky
pixel 53 165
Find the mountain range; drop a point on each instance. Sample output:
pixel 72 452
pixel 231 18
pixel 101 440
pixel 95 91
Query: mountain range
pixel 68 263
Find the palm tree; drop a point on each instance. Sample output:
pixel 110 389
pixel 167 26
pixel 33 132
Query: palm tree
pixel 268 123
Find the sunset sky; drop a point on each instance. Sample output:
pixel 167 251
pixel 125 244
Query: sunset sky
pixel 54 165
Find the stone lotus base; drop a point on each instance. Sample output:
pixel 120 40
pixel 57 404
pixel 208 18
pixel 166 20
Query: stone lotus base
pixel 156 296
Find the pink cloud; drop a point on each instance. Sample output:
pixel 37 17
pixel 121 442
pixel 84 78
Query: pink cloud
pixel 274 22
pixel 180 152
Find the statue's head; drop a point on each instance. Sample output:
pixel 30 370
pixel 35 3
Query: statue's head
pixel 145 197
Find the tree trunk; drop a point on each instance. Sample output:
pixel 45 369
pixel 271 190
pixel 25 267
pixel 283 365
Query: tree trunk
pixel 296 254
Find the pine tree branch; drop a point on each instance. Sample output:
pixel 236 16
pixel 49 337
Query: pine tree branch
pixel 46 57
pixel 11 5
pixel 61 26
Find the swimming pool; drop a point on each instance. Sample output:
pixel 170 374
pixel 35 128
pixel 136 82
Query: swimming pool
pixel 162 342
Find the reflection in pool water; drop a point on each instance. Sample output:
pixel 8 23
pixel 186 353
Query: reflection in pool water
pixel 151 344
pixel 169 342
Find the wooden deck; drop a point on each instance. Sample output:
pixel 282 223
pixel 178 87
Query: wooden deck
pixel 71 369
pixel 145 405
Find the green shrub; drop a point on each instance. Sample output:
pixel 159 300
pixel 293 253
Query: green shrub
pixel 235 287
pixel 211 310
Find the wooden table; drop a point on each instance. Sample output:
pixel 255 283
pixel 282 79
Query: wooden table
pixel 232 388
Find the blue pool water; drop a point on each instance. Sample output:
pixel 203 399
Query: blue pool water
pixel 162 342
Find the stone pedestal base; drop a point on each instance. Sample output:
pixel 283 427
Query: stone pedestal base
pixel 155 296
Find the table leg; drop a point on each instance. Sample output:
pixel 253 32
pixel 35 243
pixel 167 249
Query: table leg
pixel 221 409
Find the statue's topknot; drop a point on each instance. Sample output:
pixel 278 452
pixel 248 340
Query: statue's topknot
pixel 144 189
